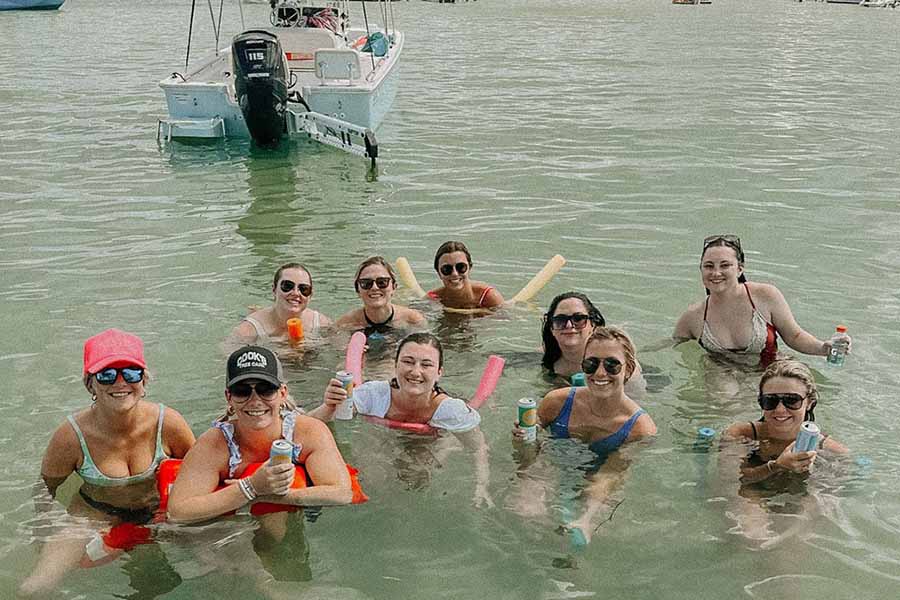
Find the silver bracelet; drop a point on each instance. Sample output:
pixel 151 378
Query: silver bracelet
pixel 770 466
pixel 247 489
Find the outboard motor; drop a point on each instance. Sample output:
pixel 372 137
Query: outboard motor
pixel 260 82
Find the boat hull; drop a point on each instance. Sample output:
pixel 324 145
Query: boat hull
pixel 30 4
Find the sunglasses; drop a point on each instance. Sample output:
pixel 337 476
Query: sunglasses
pixel 287 286
pixel 732 240
pixel 240 392
pixel 129 374
pixel 612 366
pixel 790 401
pixel 381 282
pixel 447 270
pixel 578 320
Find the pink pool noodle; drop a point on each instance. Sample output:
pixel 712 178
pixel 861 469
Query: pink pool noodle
pixel 353 360
pixel 492 371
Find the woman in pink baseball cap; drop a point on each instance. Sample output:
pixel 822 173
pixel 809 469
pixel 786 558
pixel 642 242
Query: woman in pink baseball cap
pixel 115 445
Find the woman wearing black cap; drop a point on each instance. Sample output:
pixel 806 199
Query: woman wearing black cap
pixel 259 412
pixel 738 319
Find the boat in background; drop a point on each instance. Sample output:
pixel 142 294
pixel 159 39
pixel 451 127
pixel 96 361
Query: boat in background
pixel 310 72
pixel 30 4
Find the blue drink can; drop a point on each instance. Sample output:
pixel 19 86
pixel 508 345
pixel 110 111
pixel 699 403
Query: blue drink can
pixel 282 451
pixel 807 437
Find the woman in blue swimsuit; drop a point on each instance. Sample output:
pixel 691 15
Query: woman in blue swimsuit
pixel 601 415
pixel 115 446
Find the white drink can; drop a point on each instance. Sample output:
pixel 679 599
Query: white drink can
pixel 344 411
pixel 807 437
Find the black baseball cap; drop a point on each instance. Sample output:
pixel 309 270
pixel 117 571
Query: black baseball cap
pixel 253 362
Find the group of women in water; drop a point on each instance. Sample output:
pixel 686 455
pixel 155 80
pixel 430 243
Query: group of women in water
pixel 117 444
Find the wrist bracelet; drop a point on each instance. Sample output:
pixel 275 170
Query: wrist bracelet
pixel 770 466
pixel 247 489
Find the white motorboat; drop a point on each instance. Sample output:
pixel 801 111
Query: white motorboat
pixel 309 72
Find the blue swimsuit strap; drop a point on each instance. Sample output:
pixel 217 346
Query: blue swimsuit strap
pixel 560 425
pixel 613 441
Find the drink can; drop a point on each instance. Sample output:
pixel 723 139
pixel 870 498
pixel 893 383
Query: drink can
pixel 344 412
pixel 295 329
pixel 807 437
pixel 579 380
pixel 528 418
pixel 282 451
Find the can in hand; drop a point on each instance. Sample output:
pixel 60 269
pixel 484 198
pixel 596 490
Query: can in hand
pixel 528 418
pixel 344 412
pixel 807 437
pixel 282 451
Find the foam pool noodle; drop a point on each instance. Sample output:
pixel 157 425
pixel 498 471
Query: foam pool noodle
pixel 295 330
pixel 409 279
pixel 540 280
pixel 489 378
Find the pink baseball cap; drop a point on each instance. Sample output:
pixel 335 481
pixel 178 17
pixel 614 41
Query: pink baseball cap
pixel 113 348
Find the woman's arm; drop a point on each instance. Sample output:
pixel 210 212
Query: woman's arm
pixel 177 435
pixel 244 332
pixel 550 405
pixel 324 465
pixel 334 396
pixel 788 328
pixel 194 496
pixel 492 299
pixel 60 458
pixel 687 328
pixel 474 441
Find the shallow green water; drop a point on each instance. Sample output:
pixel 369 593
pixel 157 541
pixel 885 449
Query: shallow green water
pixel 617 134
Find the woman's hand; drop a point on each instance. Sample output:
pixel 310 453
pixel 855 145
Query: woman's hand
pixel 335 394
pixel 272 479
pixel 827 344
pixel 518 433
pixel 797 462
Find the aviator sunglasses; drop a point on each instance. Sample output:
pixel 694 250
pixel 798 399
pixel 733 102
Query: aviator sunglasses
pixel 129 374
pixel 381 282
pixel 287 286
pixel 790 401
pixel 612 366
pixel 578 321
pixel 240 392
pixel 447 270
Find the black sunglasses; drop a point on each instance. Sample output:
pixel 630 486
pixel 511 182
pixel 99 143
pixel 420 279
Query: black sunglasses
pixel 129 374
pixel 381 282
pixel 240 392
pixel 729 239
pixel 612 366
pixel 447 270
pixel 790 401
pixel 287 286
pixel 578 321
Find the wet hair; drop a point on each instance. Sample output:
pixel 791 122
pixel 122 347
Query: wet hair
pixel 727 243
pixel 794 369
pixel 615 334
pixel 284 267
pixel 552 351
pixel 373 260
pixel 425 339
pixel 447 248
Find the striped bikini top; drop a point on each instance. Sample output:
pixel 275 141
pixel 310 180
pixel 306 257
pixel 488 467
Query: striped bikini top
pixel 94 476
